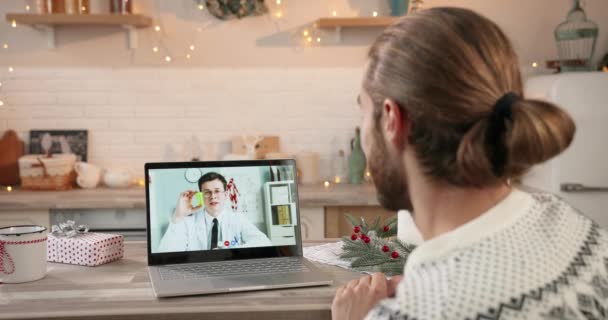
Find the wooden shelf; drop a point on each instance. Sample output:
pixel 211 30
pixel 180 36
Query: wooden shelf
pixel 48 22
pixel 356 22
pixel 135 20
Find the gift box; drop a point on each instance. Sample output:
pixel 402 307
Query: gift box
pixel 85 249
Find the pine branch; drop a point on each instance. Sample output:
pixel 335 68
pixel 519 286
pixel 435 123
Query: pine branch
pixel 364 226
pixel 352 220
pixel 348 244
pixel 393 267
pixel 390 221
pixel 403 247
pixel 392 231
pixel 370 259
pixel 370 256
pixel 375 225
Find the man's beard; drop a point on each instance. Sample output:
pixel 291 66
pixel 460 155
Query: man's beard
pixel 388 176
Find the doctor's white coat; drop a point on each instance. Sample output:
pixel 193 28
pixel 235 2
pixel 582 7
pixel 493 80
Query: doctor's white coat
pixel 194 233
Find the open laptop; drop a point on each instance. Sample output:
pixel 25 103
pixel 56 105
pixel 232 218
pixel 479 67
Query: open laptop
pixel 225 226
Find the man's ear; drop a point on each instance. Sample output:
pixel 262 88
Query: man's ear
pixel 396 124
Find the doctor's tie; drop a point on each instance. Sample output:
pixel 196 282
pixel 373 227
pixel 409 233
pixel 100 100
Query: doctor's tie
pixel 214 234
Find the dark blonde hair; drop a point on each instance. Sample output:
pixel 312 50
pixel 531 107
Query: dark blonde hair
pixel 446 68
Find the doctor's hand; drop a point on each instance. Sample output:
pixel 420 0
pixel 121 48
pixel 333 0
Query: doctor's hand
pixel 358 297
pixel 184 206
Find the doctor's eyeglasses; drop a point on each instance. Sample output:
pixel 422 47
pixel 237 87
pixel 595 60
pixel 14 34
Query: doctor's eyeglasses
pixel 209 193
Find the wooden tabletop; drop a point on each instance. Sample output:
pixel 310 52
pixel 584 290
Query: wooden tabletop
pixel 134 198
pixel 122 290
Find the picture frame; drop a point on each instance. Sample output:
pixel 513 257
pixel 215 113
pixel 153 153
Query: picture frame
pixel 77 141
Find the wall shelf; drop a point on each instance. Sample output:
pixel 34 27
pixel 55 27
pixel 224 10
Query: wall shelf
pixel 354 22
pixel 48 22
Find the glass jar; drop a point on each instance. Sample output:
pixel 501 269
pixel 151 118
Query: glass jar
pixel 121 6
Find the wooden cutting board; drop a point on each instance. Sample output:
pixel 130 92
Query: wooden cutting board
pixel 11 148
pixel 266 145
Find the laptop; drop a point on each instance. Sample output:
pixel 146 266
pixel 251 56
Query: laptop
pixel 225 226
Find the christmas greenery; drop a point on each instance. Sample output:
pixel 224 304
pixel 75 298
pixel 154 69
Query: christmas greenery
pixel 375 247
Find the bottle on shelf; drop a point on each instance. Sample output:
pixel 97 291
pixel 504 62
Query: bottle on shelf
pixel 121 6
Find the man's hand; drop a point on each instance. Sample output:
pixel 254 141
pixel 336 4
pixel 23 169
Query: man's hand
pixel 184 206
pixel 358 297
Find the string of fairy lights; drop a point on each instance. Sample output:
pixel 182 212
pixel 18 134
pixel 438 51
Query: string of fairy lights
pixel 304 36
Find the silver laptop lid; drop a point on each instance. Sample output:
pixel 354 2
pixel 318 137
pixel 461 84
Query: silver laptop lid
pixel 222 210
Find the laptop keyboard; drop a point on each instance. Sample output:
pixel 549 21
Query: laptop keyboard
pixel 231 268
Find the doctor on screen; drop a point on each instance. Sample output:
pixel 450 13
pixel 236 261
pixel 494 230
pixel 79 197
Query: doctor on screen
pixel 212 226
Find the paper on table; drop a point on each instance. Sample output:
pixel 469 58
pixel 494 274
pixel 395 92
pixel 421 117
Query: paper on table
pixel 328 253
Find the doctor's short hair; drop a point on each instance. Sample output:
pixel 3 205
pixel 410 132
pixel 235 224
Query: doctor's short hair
pixel 210 176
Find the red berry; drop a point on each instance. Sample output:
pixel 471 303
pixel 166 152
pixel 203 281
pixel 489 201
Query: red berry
pixel 367 240
pixel 357 229
pixel 353 237
pixel 395 255
pixel 386 228
pixel 385 248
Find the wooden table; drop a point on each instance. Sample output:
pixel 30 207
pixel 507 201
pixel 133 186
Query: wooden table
pixel 122 290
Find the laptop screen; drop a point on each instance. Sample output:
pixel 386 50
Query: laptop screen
pixel 247 209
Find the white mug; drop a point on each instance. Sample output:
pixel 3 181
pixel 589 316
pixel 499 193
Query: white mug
pixel 23 253
pixel 88 174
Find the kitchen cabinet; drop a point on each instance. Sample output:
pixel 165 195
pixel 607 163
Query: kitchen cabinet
pixel 322 208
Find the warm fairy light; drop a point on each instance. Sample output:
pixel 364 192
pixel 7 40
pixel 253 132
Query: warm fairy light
pixel 83 8
pixel 278 14
pixel 534 64
pixel 337 179
pixel 141 182
pixel 278 1
pixel 5 46
pixel 155 49
pixel 375 13
pixel 10 69
pixel 1 103
pixel 157 28
pixel 368 174
pixel 309 39
pixel 334 13
pixel 14 24
pixel 168 59
pixel 192 47
pixel 0 84
pixel 305 33
pixel 188 56
pixel 318 39
pixel 27 7
pixel 326 184
pixel 201 7
pixel 9 188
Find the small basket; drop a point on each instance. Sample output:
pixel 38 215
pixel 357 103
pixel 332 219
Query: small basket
pixel 47 173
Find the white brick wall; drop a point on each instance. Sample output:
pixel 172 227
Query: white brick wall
pixel 131 114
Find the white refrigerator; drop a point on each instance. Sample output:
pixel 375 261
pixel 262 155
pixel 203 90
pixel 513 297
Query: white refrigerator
pixel 580 174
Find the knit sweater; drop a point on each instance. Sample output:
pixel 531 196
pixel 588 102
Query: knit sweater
pixel 532 256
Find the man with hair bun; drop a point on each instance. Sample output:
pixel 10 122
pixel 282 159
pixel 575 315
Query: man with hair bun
pixel 447 131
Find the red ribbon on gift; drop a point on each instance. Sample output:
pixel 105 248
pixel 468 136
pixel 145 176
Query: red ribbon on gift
pixel 4 253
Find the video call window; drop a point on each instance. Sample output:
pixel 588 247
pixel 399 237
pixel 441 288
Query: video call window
pixel 222 208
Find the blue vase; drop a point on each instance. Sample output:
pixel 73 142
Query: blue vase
pixel 399 7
